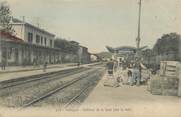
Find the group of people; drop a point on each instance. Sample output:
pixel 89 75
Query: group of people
pixel 112 66
pixel 134 76
pixel 130 76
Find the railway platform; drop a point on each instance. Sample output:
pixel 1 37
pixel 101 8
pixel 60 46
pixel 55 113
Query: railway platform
pixel 10 69
pixel 131 101
pixel 19 72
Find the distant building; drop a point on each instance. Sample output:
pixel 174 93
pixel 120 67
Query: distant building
pixel 83 55
pixel 123 53
pixel 127 53
pixel 122 50
pixel 32 34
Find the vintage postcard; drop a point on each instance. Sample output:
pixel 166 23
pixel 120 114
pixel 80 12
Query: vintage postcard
pixel 90 58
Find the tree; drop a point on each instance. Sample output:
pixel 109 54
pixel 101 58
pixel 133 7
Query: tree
pixel 67 46
pixel 147 53
pixel 5 17
pixel 105 55
pixel 167 43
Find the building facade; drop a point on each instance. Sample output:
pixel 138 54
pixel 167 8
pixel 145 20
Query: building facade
pixel 30 45
pixel 83 55
pixel 17 52
pixel 32 34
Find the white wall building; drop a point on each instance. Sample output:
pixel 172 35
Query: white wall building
pixel 32 34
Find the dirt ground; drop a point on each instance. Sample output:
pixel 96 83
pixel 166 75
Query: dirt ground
pixel 132 101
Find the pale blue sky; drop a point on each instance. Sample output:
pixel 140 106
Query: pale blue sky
pixel 97 23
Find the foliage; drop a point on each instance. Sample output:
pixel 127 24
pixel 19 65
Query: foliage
pixel 5 17
pixel 147 53
pixel 67 46
pixel 167 43
pixel 105 55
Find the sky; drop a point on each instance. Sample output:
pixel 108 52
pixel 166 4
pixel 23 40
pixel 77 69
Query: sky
pixel 97 23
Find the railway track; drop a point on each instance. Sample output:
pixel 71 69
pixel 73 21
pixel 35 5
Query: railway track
pixel 82 93
pixel 23 81
pixel 27 91
pixel 15 82
pixel 63 86
pixel 74 99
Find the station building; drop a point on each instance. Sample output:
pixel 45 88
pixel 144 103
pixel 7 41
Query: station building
pixel 32 34
pixel 31 45
pixel 28 45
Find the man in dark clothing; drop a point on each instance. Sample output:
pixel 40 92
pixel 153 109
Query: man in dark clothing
pixel 3 66
pixel 110 67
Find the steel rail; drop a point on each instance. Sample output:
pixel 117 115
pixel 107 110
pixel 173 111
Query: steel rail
pixel 75 97
pixel 78 95
pixel 54 91
pixel 49 77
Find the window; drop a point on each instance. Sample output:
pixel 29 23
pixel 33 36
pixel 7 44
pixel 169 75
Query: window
pixel 45 40
pixel 37 39
pixel 41 40
pixel 10 51
pixel 51 44
pixel 30 37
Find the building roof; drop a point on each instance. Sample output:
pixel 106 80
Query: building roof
pixel 13 39
pixel 124 49
pixel 16 21
pixel 9 37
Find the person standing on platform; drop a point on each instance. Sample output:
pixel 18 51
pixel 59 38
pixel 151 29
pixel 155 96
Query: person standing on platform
pixel 110 67
pixel 136 75
pixel 130 78
pixel 3 66
pixel 45 66
pixel 140 75
pixel 34 62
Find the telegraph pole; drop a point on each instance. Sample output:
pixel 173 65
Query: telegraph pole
pixel 139 23
pixel 138 39
pixel 0 46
